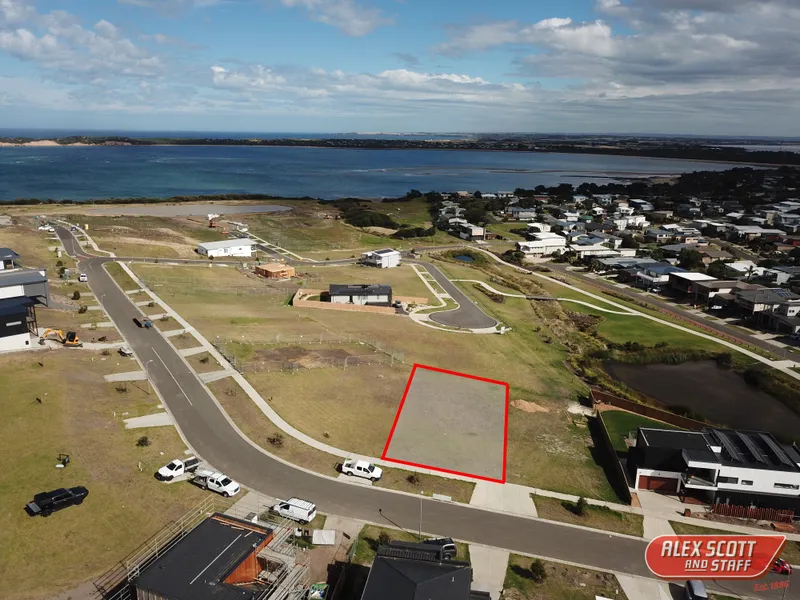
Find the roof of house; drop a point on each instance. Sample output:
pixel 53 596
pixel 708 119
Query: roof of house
pixel 24 277
pixel 767 296
pixel 386 252
pixel 273 267
pixel 15 306
pixel 363 289
pixel 227 244
pixel 787 270
pixel 692 276
pixel 715 253
pixel 717 284
pixel 8 254
pixel 413 572
pixel 195 567
pixel 663 269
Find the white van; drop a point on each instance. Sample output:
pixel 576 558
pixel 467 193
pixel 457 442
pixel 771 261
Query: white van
pixel 296 509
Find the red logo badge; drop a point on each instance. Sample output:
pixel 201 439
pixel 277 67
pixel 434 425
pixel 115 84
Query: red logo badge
pixel 713 556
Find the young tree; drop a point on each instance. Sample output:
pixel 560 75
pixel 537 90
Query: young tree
pixel 538 571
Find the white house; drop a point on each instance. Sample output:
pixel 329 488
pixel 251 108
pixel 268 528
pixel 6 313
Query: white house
pixel 383 259
pixel 243 247
pixel 543 244
pixel 468 231
pixel 538 228
pixel 593 250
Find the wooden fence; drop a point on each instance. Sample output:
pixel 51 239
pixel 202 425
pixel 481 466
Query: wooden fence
pixel 599 396
pixel 755 514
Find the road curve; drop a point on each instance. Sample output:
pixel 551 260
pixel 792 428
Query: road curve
pixel 209 432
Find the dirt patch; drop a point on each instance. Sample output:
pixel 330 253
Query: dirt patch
pixel 308 358
pixel 529 407
pixel 381 230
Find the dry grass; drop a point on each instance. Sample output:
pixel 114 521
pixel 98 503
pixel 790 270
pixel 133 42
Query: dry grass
pixel 596 517
pixel 184 341
pixel 142 248
pixel 563 582
pixel 122 278
pixel 403 279
pixel 124 507
pixel 427 485
pixel 71 321
pixel 32 247
pixel 256 426
pixel 203 363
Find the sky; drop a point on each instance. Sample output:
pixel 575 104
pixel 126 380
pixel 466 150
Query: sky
pixel 703 67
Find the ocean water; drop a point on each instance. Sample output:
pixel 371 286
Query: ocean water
pixel 81 173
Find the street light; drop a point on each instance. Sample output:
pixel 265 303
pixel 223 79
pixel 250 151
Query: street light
pixel 147 374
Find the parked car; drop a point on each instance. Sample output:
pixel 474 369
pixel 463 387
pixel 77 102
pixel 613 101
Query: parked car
pixel 217 482
pixel 83 278
pixel 146 323
pixel 781 567
pixel 296 509
pixel 795 335
pixel 46 503
pixel 695 590
pixel 447 545
pixel 177 468
pixel 125 351
pixel 717 307
pixel 362 468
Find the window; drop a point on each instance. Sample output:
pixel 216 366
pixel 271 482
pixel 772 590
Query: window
pixel 746 482
pixel 731 480
pixel 787 486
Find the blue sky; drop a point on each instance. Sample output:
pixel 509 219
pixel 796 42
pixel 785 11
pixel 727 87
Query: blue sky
pixel 626 66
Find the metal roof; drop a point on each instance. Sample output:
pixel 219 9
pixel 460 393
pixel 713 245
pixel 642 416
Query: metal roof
pixel 23 277
pixel 15 306
pixel 365 289
pixel 227 244
pixel 8 254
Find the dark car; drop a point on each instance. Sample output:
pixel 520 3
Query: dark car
pixel 146 323
pixel 447 546
pixel 47 503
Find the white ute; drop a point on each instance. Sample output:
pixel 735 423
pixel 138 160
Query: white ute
pixel 177 467
pixel 362 468
pixel 217 482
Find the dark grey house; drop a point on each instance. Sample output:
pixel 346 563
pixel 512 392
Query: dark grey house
pixel 417 571
pixel 720 466
pixel 374 294
pixel 8 259
pixel 20 291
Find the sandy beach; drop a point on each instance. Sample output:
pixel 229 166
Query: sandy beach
pixel 41 144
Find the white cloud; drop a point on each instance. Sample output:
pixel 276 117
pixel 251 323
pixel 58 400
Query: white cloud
pixel 346 15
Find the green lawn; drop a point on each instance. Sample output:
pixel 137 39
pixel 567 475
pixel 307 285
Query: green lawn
pixel 596 517
pixel 403 279
pixel 791 552
pixel 562 582
pixel 368 542
pixel 120 276
pixel 504 229
pixel 620 422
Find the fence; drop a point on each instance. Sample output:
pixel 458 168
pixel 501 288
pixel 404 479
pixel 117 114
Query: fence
pixel 599 396
pixel 755 514
pixel 381 354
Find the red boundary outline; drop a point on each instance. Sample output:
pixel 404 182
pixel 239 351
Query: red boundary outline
pixel 440 469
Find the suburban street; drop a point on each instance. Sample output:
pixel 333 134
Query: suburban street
pixel 209 433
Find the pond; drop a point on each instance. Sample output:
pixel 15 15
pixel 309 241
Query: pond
pixel 464 258
pixel 720 395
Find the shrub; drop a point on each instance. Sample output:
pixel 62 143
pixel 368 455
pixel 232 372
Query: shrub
pixel 76 295
pixel 276 440
pixel 143 441
pixel 151 304
pixel 413 479
pixel 538 571
pixel 383 538
pixel 83 309
pixel 204 360
pixel 580 506
pixel 59 263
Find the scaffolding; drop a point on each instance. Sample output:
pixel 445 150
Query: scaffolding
pixel 285 565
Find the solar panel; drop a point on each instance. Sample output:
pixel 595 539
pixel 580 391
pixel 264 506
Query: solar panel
pixel 779 453
pixel 729 447
pixel 757 453
pixel 783 293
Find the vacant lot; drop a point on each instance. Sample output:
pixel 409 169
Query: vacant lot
pixel 122 278
pixel 620 423
pixel 203 363
pixel 131 247
pixel 562 582
pixel 597 517
pixel 791 552
pixel 77 417
pixel 32 247
pixel 372 536
pixel 542 445
pixel 182 341
pixel 67 320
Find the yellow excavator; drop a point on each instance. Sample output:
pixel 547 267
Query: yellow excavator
pixel 70 340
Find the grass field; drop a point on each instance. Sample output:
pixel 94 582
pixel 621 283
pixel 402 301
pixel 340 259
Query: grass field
pixel 183 341
pixel 619 423
pixel 122 278
pixel 143 249
pixel 368 542
pixel 76 416
pixel 542 445
pixel 791 552
pixel 504 229
pixel 32 247
pixel 71 321
pixel 203 363
pixel 596 517
pixel 403 279
pixel 563 582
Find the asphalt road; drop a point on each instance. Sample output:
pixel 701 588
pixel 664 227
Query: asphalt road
pixel 211 435
pixel 715 325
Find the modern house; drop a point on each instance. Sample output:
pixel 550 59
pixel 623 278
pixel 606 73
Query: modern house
pixel 741 468
pixel 521 214
pixel 655 275
pixel 683 282
pixel 240 247
pixel 275 271
pixel 372 294
pixel 20 291
pixel 418 571
pixel 8 259
pixel 721 292
pixel 543 244
pixel 761 303
pixel 383 259
pixel 537 228
pixel 468 231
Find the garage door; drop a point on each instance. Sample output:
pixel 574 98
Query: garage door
pixel 659 484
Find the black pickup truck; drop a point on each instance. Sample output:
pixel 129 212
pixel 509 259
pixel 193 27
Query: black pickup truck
pixel 47 503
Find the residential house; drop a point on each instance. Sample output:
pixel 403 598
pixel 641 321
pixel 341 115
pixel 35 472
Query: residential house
pixel 521 214
pixel 505 195
pixel 588 249
pixel 364 294
pixel 21 290
pixel 543 244
pixel 683 282
pixel 709 256
pixel 382 259
pixel 735 467
pixel 618 263
pixel 751 232
pixel 658 236
pixel 742 269
pixel 720 291
pixel 570 216
pixel 655 275
pixel 579 199
pixel 538 228
pixel 759 304
pixel 275 271
pixel 8 259
pixel 603 199
pixel 236 248
pixel 640 205
pixel 468 231
pixel 780 275
pixel 571 225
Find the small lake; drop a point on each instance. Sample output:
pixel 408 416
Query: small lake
pixel 720 395
pixel 464 258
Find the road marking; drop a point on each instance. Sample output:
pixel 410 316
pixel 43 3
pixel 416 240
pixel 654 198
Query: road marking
pixel 171 375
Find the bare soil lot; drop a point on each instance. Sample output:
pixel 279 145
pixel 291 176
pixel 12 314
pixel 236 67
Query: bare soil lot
pixel 453 423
